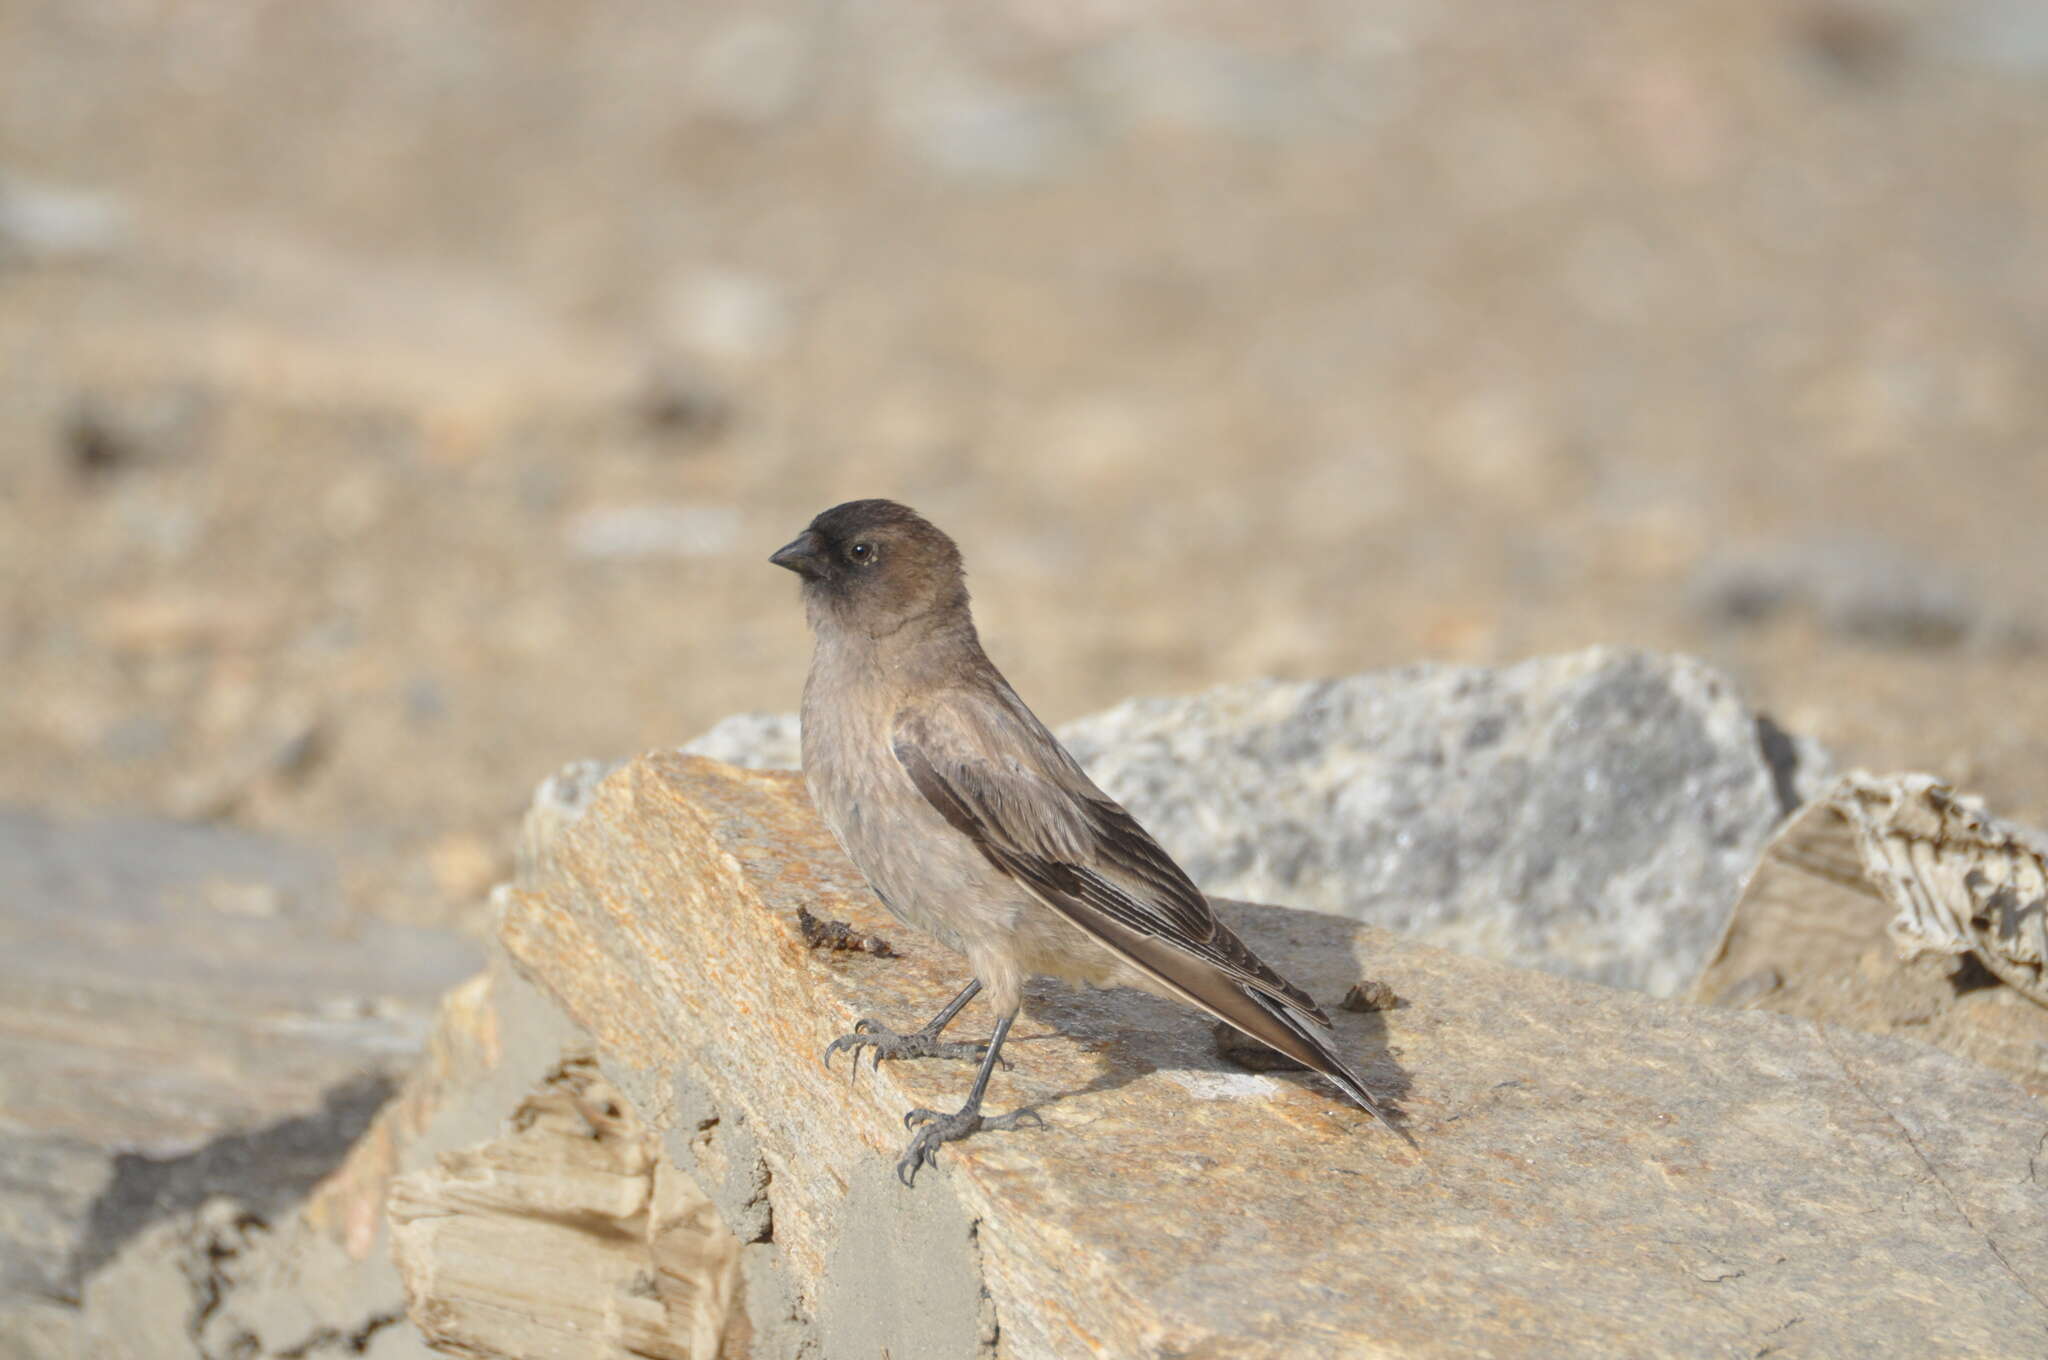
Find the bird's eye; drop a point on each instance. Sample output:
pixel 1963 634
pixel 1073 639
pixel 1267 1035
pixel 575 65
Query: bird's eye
pixel 862 553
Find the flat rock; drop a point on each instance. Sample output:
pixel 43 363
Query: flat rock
pixel 1598 1173
pixel 1591 814
pixel 222 1281
pixel 185 1012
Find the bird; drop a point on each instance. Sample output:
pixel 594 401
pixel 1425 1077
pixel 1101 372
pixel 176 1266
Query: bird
pixel 973 824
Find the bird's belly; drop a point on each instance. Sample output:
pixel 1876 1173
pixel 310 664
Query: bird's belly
pixel 926 874
pixel 939 892
pixel 1048 944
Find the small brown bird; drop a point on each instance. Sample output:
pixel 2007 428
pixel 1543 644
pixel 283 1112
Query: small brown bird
pixel 972 823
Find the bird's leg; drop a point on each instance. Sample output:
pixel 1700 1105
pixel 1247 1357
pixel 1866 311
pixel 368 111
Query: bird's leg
pixel 924 1043
pixel 934 1128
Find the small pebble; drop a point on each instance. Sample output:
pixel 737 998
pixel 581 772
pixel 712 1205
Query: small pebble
pixel 1370 995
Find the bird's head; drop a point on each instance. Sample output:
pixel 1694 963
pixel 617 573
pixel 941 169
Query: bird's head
pixel 877 565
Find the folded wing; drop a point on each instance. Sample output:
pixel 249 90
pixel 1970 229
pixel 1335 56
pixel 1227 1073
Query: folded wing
pixel 1037 817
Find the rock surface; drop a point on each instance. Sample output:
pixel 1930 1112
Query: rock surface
pixel 222 1283
pixel 1860 913
pixel 185 1015
pixel 753 741
pixel 1598 1173
pixel 1591 814
pixel 571 1233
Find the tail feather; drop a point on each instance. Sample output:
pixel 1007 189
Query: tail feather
pixel 1231 997
pixel 1223 977
pixel 1309 1044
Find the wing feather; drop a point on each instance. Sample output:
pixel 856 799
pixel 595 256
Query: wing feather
pixel 1083 849
pixel 1080 853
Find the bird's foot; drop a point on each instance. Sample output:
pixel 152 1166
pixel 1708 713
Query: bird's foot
pixel 934 1128
pixel 886 1043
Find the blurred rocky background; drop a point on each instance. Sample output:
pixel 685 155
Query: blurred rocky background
pixel 398 400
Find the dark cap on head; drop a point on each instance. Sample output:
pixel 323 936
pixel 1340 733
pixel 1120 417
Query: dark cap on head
pixel 881 561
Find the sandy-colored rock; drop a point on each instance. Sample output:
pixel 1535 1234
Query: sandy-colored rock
pixel 1892 905
pixel 1597 1173
pixel 37 1329
pixel 570 1234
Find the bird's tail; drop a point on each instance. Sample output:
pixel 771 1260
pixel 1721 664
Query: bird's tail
pixel 1305 1040
pixel 1222 976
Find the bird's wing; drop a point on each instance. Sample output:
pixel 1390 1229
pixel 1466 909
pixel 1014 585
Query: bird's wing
pixel 999 778
pixel 1035 815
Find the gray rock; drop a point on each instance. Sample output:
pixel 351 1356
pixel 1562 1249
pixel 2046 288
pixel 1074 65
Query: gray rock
pixel 186 1012
pixel 753 741
pixel 1591 814
pixel 560 799
pixel 222 1282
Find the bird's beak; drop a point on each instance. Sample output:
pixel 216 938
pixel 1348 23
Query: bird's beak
pixel 803 555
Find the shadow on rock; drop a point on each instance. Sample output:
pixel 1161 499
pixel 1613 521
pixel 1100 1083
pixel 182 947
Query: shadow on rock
pixel 267 1169
pixel 1133 1034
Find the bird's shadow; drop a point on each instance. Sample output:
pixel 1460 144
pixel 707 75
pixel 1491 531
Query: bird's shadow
pixel 1133 1034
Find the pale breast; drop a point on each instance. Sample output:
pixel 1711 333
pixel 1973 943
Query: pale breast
pixel 926 873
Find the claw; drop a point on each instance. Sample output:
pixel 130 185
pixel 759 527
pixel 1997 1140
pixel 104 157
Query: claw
pixel 922 1152
pixel 906 1169
pixel 935 1129
pixel 879 1043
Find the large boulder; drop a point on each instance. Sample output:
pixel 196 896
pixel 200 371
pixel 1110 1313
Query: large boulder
pixel 1597 1172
